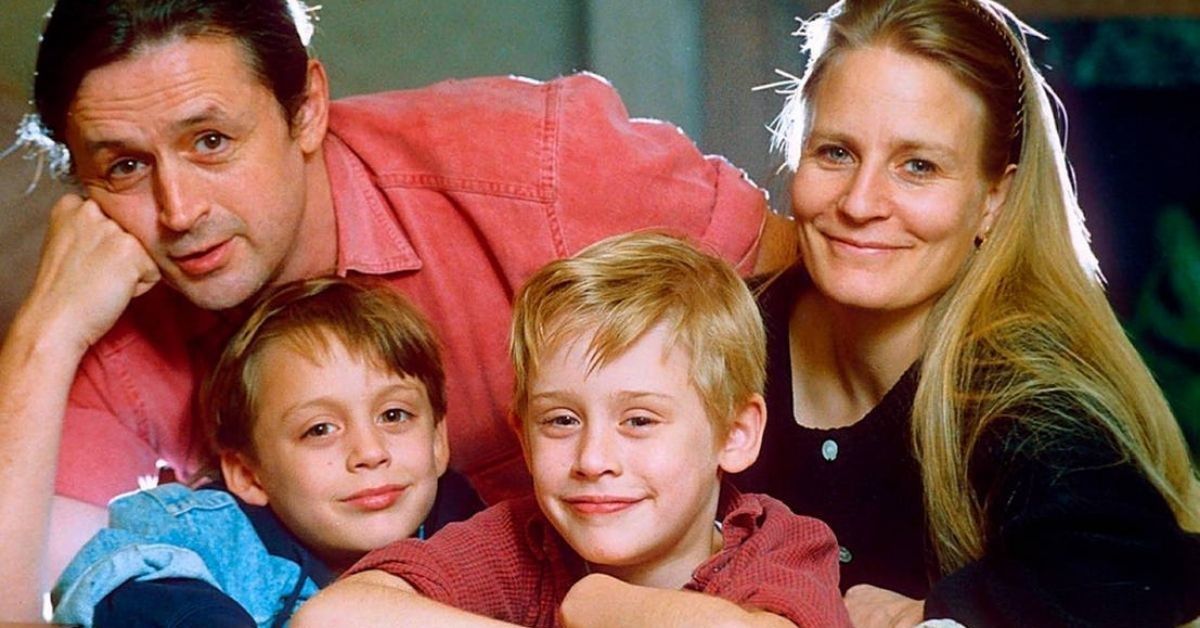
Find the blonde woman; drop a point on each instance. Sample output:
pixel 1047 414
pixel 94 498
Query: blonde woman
pixel 968 415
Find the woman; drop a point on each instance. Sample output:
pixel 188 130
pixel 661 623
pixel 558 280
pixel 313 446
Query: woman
pixel 969 416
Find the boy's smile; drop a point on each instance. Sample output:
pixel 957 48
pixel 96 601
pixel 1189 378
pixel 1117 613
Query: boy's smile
pixel 348 453
pixel 625 461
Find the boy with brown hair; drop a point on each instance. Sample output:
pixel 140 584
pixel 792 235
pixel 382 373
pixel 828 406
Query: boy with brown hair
pixel 324 418
pixel 639 370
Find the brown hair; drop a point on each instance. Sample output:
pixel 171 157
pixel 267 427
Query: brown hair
pixel 368 317
pixel 620 288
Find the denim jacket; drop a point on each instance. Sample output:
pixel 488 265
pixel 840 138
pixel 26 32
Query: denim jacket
pixel 172 531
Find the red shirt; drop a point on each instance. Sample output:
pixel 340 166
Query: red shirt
pixel 772 560
pixel 455 194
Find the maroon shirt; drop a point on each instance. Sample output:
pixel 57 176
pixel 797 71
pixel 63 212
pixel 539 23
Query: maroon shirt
pixel 455 194
pixel 772 560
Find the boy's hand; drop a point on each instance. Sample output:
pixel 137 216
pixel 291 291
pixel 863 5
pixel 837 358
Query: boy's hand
pixel 600 600
pixel 873 607
pixel 590 600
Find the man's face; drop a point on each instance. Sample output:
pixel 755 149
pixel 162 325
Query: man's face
pixel 189 152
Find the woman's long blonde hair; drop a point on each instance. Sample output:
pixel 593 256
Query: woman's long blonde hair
pixel 1026 326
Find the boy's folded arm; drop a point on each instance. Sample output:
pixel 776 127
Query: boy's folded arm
pixel 600 600
pixel 377 598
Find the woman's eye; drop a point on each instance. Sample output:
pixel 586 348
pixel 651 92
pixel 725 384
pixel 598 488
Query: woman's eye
pixel 318 430
pixel 395 415
pixel 920 167
pixel 211 142
pixel 834 153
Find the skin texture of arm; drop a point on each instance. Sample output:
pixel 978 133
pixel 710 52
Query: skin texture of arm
pixel 873 607
pixel 89 271
pixel 376 598
pixel 600 600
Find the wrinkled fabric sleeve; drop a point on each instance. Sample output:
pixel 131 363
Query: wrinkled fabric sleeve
pixel 170 602
pixel 475 565
pixel 788 567
pixel 172 532
pixel 112 558
pixel 101 455
pixel 1076 536
pixel 616 174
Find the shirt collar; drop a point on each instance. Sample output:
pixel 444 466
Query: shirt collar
pixel 370 238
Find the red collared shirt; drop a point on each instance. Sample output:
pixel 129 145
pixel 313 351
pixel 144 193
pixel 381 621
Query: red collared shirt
pixel 455 193
pixel 772 560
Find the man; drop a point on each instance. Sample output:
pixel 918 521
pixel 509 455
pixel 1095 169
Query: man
pixel 214 163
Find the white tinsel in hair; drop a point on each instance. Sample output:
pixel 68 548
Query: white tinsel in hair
pixel 35 143
pixel 787 130
pixel 303 16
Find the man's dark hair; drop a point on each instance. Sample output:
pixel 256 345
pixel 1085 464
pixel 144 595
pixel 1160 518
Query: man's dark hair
pixel 82 35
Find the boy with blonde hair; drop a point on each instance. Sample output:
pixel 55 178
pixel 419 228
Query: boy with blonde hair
pixel 324 418
pixel 639 370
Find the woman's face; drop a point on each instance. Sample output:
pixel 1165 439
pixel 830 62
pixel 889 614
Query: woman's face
pixel 889 194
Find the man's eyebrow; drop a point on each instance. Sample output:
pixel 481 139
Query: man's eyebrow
pixel 208 114
pixel 97 146
pixel 204 116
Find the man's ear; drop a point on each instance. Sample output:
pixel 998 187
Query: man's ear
pixel 441 446
pixel 994 201
pixel 312 118
pixel 242 479
pixel 744 436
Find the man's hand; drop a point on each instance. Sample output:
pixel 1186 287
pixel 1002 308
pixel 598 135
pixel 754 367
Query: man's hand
pixel 89 271
pixel 873 607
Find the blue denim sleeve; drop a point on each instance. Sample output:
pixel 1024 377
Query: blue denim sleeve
pixel 179 603
pixel 175 532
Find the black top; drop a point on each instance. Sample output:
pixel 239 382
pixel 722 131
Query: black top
pixel 1075 535
pixel 859 479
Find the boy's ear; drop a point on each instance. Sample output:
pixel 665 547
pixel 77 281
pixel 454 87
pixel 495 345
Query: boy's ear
pixel 744 436
pixel 441 446
pixel 241 479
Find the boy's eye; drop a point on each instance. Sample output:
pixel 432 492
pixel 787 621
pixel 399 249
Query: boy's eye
pixel 560 423
pixel 318 430
pixel 640 421
pixel 395 415
pixel 562 420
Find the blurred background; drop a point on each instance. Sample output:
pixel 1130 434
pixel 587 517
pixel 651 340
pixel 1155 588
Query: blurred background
pixel 1128 72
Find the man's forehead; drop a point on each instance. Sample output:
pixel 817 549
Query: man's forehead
pixel 168 86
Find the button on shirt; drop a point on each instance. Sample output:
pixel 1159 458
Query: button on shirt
pixel 859 479
pixel 455 194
